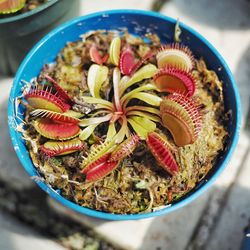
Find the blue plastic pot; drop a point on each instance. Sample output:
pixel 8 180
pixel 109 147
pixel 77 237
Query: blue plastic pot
pixel 138 22
pixel 19 33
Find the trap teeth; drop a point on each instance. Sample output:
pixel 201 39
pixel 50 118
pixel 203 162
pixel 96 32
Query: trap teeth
pixel 57 148
pixel 170 79
pixel 55 116
pixel 99 168
pixel 106 163
pixel 127 61
pixel 181 116
pixel 61 92
pixel 143 60
pixel 44 99
pixel 125 148
pixel 159 149
pixel 55 130
pixel 175 55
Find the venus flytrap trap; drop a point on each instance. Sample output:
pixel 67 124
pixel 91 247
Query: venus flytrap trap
pixel 135 102
pixel 182 117
pixel 175 55
pixel 52 148
pixel 172 80
pixel 96 57
pixel 11 6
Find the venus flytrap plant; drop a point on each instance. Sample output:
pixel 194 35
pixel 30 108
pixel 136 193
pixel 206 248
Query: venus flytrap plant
pixel 132 81
pixel 52 148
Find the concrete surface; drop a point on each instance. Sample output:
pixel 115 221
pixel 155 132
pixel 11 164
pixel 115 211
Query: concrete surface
pixel 235 214
pixel 14 235
pixel 214 221
pixel 9 164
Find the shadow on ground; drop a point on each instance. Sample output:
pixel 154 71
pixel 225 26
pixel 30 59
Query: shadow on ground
pixel 15 236
pixel 10 167
pixel 223 14
pixel 162 234
pixel 30 206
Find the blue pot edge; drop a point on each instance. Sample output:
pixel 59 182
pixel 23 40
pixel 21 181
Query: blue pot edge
pixel 167 209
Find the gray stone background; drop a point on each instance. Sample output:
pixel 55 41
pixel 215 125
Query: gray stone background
pixel 31 220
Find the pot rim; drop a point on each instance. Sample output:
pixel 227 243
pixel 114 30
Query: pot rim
pixel 28 13
pixel 200 188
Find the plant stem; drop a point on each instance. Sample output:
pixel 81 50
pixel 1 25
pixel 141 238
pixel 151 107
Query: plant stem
pixel 125 99
pixel 116 81
pixel 94 120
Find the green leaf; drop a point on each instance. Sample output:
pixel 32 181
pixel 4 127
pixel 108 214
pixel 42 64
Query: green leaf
pixel 145 87
pixel 73 113
pixel 177 32
pixel 147 124
pixel 146 97
pixel 95 120
pixel 103 103
pixel 142 126
pixel 144 114
pixel 114 50
pixel 97 75
pixel 99 112
pixel 119 137
pixel 142 108
pixel 116 87
pixel 140 131
pixel 111 131
pixel 123 81
pixel 86 133
pixel 145 72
